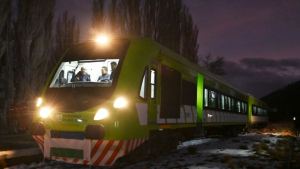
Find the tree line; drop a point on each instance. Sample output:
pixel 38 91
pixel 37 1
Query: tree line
pixel 32 39
pixel 168 22
pixel 31 42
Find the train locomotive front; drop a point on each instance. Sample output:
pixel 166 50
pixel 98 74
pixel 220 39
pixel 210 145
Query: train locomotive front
pixel 87 114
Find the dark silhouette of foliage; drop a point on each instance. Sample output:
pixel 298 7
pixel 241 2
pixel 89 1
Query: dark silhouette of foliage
pixel 67 34
pixel 6 75
pixel 29 48
pixel 284 103
pixel 33 46
pixel 98 14
pixel 214 64
pixel 167 22
pixel 5 23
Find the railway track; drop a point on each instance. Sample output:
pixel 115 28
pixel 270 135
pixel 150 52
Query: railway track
pixel 17 157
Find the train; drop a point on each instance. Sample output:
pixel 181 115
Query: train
pixel 108 97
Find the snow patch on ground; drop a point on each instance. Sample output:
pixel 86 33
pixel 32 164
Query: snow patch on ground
pixel 233 152
pixel 195 142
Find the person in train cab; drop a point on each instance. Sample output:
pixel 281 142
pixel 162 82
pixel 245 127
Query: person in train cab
pixel 61 80
pixel 82 75
pixel 113 69
pixel 105 77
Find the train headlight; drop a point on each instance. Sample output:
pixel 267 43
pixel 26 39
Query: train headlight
pixel 102 40
pixel 45 112
pixel 39 102
pixel 101 114
pixel 120 103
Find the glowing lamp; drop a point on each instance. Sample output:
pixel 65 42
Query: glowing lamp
pixel 101 114
pixel 39 102
pixel 45 112
pixel 102 40
pixel 120 103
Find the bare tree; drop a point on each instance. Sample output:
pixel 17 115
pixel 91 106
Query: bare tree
pixel 189 36
pixel 67 34
pixel 112 14
pixel 214 64
pixel 98 14
pixel 5 22
pixel 166 21
pixel 33 44
pixel 6 71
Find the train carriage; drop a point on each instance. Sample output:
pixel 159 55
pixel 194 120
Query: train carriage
pixel 105 98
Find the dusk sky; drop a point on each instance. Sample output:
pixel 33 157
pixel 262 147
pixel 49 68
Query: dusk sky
pixel 259 39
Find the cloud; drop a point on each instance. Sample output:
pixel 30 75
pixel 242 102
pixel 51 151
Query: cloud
pixel 264 63
pixel 281 67
pixel 260 76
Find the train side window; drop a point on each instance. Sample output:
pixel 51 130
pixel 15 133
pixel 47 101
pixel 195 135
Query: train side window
pixel 243 107
pixel 212 99
pixel 233 104
pixel 238 106
pixel 229 103
pixel 226 103
pixel 259 111
pixel 254 110
pixel 205 98
pixel 153 83
pixel 246 107
pixel 222 102
pixel 143 88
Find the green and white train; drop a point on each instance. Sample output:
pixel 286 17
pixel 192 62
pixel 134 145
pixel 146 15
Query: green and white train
pixel 106 98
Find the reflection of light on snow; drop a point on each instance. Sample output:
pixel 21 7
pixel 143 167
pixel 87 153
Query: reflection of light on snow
pixel 280 133
pixel 233 152
pixel 195 142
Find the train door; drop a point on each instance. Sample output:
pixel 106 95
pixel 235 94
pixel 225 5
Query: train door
pixel 152 94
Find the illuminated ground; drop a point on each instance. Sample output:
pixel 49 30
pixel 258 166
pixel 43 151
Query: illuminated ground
pixel 250 151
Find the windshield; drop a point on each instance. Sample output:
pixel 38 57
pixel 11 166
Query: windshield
pixel 85 73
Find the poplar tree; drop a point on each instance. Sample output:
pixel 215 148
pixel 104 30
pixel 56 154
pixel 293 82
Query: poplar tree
pixel 6 83
pixel 166 21
pixel 98 14
pixel 33 46
pixel 67 34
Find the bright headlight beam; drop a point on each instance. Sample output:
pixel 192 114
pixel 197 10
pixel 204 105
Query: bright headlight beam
pixel 101 114
pixel 120 103
pixel 45 112
pixel 39 102
pixel 102 40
